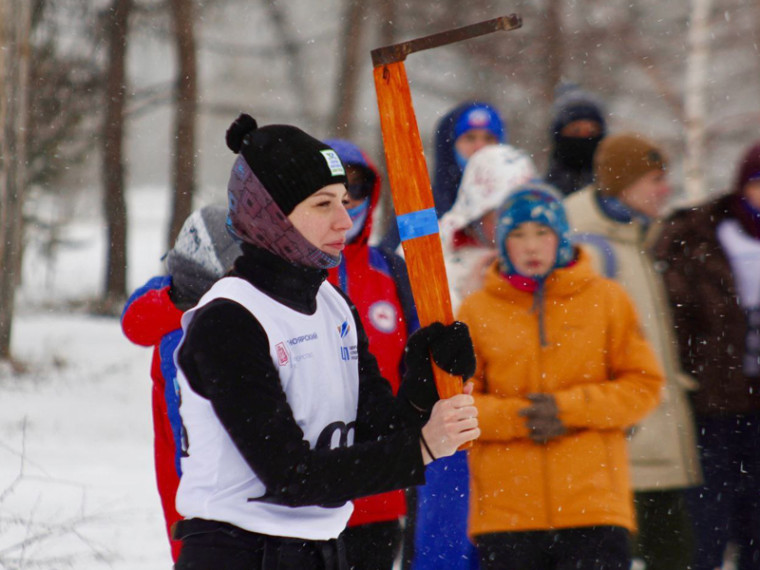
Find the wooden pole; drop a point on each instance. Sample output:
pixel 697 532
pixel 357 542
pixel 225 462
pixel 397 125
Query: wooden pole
pixel 409 180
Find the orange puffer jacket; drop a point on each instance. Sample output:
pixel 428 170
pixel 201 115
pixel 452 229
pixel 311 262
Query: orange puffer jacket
pixel 604 377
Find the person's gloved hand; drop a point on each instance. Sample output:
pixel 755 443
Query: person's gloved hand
pixel 451 347
pixel 542 418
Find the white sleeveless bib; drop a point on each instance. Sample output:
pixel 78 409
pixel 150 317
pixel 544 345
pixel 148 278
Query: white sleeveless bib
pixel 317 358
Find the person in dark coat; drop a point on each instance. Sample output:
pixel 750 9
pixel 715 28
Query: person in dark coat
pixel 578 126
pixel 710 256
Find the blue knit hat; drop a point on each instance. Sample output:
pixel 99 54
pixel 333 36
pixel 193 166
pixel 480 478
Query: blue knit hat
pixel 479 116
pixel 534 202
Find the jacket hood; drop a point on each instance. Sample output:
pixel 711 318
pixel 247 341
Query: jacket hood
pixel 203 252
pixel 491 175
pixel 351 155
pixel 447 171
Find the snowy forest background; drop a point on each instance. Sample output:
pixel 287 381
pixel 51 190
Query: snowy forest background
pixel 112 121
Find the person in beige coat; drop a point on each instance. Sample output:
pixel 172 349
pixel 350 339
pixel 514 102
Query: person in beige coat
pixel 616 220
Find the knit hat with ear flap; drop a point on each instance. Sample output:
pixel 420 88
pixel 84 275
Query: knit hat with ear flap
pixel 620 160
pixel 534 202
pixel 203 252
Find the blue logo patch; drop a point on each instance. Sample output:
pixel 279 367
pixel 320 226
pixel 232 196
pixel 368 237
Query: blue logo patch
pixel 344 329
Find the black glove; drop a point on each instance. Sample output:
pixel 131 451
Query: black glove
pixel 451 347
pixel 542 418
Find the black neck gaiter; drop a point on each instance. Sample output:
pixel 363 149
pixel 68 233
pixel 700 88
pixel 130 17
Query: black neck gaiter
pixel 576 153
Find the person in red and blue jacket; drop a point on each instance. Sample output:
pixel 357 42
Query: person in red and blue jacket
pixel 376 281
pixel 202 253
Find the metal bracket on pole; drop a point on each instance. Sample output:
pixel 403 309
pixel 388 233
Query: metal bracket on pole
pixel 398 52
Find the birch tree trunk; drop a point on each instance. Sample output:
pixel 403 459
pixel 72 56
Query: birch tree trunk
pixel 113 157
pixel 695 102
pixel 15 21
pixel 185 115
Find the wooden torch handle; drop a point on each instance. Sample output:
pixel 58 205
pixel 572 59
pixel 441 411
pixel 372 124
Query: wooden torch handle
pixel 415 209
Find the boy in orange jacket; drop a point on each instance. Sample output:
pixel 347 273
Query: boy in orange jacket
pixel 562 371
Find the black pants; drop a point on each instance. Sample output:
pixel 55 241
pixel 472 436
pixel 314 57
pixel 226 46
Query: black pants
pixel 212 545
pixel 583 548
pixel 372 546
pixel 665 540
pixel 727 506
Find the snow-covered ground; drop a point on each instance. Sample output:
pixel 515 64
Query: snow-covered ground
pixel 77 486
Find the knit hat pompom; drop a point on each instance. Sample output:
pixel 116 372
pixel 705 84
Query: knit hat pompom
pixel 620 160
pixel 243 125
pixel 534 202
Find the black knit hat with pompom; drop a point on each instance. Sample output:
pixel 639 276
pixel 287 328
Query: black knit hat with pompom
pixel 291 164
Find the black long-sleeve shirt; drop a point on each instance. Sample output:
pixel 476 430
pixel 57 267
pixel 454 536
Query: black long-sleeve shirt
pixel 226 358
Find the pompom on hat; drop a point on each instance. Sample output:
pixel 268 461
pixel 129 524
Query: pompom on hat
pixel 534 202
pixel 620 160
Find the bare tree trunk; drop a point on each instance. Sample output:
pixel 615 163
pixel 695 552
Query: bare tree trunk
pixel 185 115
pixel 348 83
pixel 554 44
pixel 15 21
pixel 386 12
pixel 290 45
pixel 695 105
pixel 113 156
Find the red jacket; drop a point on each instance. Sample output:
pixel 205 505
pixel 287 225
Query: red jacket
pixel 150 318
pixel 377 283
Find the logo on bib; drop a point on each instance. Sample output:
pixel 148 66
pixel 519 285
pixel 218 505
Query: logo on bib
pixel 347 352
pixel 282 353
pixel 344 329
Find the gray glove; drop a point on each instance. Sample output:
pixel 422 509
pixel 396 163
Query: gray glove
pixel 542 418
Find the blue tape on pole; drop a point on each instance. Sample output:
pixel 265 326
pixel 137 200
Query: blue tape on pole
pixel 417 224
